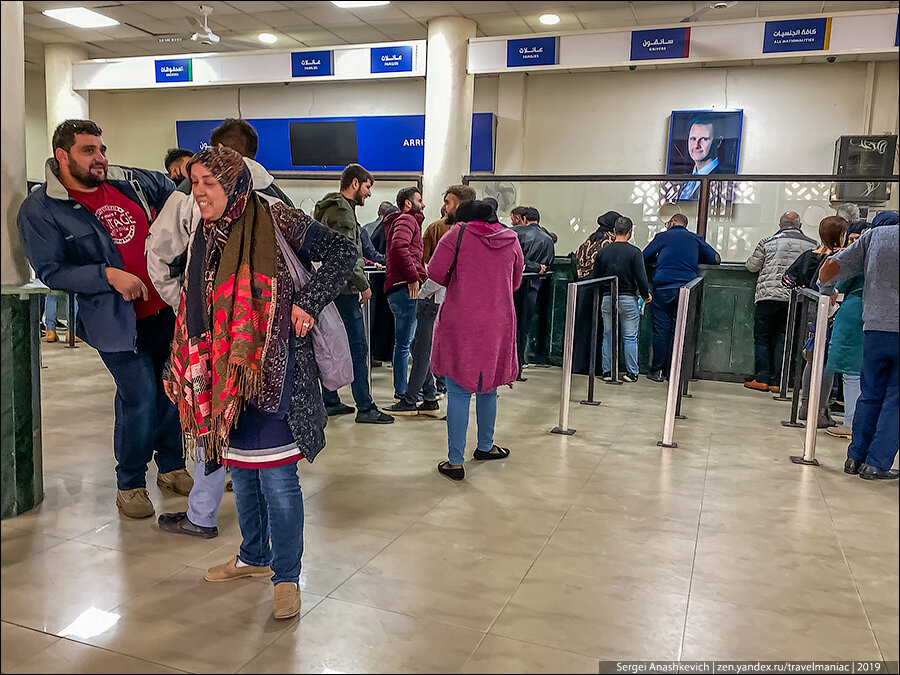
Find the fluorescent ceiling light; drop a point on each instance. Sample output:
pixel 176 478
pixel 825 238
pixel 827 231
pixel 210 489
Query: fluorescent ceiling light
pixel 267 38
pixel 357 5
pixel 80 17
pixel 549 19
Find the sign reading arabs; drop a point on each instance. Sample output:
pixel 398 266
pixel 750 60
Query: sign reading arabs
pixel 398 59
pixel 796 35
pixel 173 70
pixel 541 51
pixel 663 43
pixel 311 64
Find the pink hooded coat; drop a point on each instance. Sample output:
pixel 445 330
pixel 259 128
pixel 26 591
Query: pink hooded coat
pixel 475 331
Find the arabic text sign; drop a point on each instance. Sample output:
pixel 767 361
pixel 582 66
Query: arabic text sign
pixel 311 64
pixel 173 70
pixel 531 52
pixel 796 35
pixel 397 59
pixel 664 43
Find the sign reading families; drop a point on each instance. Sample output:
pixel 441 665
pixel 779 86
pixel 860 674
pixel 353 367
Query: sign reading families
pixel 173 70
pixel 664 43
pixel 531 52
pixel 311 64
pixel 796 35
pixel 397 59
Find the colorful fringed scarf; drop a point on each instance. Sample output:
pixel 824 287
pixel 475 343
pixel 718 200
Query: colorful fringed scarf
pixel 227 323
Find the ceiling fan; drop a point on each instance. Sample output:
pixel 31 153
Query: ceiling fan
pixel 721 4
pixel 203 34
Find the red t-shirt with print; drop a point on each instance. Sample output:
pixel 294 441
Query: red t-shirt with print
pixel 127 224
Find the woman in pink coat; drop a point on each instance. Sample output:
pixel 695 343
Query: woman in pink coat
pixel 481 263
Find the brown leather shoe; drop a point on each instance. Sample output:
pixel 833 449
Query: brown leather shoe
pixel 178 481
pixel 229 571
pixel 51 336
pixel 758 386
pixel 134 503
pixel 287 600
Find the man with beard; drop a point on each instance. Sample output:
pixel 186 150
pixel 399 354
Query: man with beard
pixel 429 301
pixel 84 231
pixel 703 143
pixel 404 273
pixel 337 210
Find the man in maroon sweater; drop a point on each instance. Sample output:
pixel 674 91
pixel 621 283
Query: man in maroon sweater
pixel 404 271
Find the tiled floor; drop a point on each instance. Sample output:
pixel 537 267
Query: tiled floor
pixel 599 546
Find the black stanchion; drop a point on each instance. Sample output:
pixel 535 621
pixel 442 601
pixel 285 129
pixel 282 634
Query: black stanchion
pixel 70 328
pixel 802 311
pixel 789 330
pixel 592 362
pixel 614 333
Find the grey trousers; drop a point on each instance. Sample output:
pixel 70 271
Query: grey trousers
pixel 420 377
pixel 206 495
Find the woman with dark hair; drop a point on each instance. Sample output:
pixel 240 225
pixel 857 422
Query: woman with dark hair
pixel 242 369
pixel 804 273
pixel 602 237
pixel 480 262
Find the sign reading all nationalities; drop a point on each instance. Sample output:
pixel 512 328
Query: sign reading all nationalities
pixel 796 35
pixel 663 43
pixel 173 70
pixel 539 51
pixel 311 64
pixel 397 59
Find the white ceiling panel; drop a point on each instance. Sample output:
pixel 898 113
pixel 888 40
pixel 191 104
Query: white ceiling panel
pixel 503 24
pixel 159 10
pixel 360 34
pixel 473 9
pixel 568 21
pixel 218 7
pixel 327 14
pixel 427 10
pixel 648 13
pixel 404 30
pixel 599 19
pixel 259 6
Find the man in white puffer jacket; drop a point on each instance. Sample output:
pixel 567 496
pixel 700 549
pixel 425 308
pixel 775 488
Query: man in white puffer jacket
pixel 167 256
pixel 773 255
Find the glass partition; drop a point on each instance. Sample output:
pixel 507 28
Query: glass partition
pixel 570 209
pixel 305 192
pixel 752 210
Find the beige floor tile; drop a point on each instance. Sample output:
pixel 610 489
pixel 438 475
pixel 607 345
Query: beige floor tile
pixel 20 644
pixel 66 656
pixel 330 557
pixel 887 633
pixel 502 655
pixel 20 545
pixel 723 631
pixel 576 613
pixel 49 591
pixel 469 508
pixel 343 637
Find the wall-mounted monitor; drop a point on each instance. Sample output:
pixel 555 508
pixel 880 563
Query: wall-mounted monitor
pixel 323 143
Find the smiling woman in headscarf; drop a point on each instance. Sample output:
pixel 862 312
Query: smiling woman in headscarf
pixel 242 369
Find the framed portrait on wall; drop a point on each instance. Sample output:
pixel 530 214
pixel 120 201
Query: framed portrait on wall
pixel 703 142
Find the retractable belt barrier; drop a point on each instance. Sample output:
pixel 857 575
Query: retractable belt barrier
pixel 367 321
pixel 787 353
pixel 684 349
pixel 569 345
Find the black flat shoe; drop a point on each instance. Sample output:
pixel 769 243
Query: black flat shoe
pixel 452 474
pixel 851 466
pixel 871 473
pixel 178 523
pixel 495 452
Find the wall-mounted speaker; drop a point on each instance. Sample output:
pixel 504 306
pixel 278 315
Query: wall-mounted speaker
pixel 864 156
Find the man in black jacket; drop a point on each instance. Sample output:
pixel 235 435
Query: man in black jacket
pixel 539 250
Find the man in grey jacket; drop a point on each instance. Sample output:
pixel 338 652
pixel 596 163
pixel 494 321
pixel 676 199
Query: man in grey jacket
pixel 773 255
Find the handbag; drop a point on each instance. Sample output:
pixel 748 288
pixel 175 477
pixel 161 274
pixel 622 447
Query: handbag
pixel 330 343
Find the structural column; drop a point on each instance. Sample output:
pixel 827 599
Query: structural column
pixel 21 483
pixel 449 102
pixel 63 102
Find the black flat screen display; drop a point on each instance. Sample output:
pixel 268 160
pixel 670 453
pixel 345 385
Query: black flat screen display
pixel 323 143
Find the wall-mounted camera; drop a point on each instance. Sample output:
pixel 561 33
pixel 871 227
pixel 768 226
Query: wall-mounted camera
pixel 632 67
pixel 830 59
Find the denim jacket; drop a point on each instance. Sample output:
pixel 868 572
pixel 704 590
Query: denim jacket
pixel 69 250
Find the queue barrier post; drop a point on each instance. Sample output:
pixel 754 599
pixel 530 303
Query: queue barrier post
pixel 789 330
pixel 70 321
pixel 614 330
pixel 804 297
pixel 823 304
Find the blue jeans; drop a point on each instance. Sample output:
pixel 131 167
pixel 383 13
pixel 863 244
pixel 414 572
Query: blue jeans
pixel 629 321
pixel 663 309
pixel 50 311
pixel 351 312
pixel 458 399
pixel 851 396
pixel 270 514
pixel 404 311
pixel 421 381
pixel 876 422
pixel 147 424
pixel 206 496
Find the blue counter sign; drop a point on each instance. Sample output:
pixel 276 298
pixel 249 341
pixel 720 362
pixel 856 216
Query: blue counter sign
pixel 531 52
pixel 311 64
pixel 665 43
pixel 397 59
pixel 796 35
pixel 173 70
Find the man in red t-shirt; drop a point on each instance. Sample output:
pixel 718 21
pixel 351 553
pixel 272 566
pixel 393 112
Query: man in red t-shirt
pixel 85 231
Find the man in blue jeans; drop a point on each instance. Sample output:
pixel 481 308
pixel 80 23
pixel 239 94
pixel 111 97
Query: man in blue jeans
pixel 621 259
pixel 404 273
pixel 677 254
pixel 337 210
pixel 876 422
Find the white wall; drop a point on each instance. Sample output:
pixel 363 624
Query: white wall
pixel 37 143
